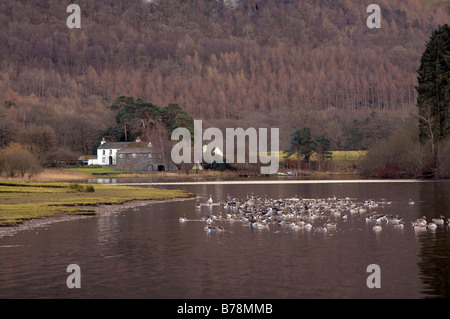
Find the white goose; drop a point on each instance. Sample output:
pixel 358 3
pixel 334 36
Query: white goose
pixel 399 225
pixel 259 225
pixel 210 229
pixel 421 222
pixel 438 221
pixel 377 227
pixel 329 225
pixel 419 226
pixel 182 219
pixel 395 220
pixel 320 229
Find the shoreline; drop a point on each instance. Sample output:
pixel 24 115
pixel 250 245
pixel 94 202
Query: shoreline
pixel 100 210
pixel 74 175
pixel 21 202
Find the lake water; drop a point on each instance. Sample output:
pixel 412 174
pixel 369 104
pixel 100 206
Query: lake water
pixel 145 252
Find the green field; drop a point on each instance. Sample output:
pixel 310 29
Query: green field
pixel 95 170
pixel 339 159
pixel 23 201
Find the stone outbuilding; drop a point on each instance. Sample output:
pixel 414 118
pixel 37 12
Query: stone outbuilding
pixel 135 158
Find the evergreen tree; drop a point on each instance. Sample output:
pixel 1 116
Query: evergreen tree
pixel 149 121
pixel 302 144
pixel 434 89
pixel 322 148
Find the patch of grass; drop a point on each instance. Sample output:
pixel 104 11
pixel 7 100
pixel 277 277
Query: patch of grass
pixel 16 214
pixel 104 170
pixel 338 159
pixel 21 202
pixel 347 158
pixel 82 188
pixel 34 185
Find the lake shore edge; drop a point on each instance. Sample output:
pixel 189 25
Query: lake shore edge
pixel 24 201
pixel 100 210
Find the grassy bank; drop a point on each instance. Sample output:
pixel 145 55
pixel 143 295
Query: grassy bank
pixel 23 201
pixel 79 174
pixel 342 162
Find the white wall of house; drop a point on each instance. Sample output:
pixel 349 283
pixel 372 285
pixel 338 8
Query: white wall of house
pixel 103 156
pixel 107 152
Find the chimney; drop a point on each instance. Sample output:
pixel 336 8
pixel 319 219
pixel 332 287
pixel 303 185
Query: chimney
pixel 103 141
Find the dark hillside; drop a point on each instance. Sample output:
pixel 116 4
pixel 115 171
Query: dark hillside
pixel 285 63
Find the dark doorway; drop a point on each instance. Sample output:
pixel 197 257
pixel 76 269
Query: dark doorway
pixel 161 168
pixel 110 160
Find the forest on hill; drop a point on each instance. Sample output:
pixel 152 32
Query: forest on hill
pixel 265 63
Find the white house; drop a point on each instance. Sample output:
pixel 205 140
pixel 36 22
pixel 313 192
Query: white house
pixel 106 153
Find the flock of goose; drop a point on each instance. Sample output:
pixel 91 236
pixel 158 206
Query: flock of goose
pixel 316 215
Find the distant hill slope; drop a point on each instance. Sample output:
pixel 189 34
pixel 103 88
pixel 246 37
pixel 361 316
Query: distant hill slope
pixel 434 2
pixel 216 62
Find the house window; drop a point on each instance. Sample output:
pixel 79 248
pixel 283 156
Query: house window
pixel 149 155
pixel 103 160
pixel 134 155
pixel 121 155
pixel 110 152
pixel 104 152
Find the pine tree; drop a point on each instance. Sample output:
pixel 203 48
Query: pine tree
pixel 301 144
pixel 322 148
pixel 433 89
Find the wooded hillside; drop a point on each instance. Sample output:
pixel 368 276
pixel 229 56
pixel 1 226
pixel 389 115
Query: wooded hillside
pixel 284 64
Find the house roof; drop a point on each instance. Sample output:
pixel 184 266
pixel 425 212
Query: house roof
pixel 114 145
pixel 136 150
pixel 87 157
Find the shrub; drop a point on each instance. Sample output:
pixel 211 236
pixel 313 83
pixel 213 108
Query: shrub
pixel 76 187
pixel 388 171
pixel 16 161
pixel 82 188
pixel 400 155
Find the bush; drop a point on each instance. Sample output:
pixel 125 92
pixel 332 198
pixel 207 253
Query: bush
pixel 16 161
pixel 82 188
pixel 76 187
pixel 399 156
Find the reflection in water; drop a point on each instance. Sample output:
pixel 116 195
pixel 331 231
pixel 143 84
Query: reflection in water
pixel 435 246
pixel 146 252
pixel 435 263
pixel 107 229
